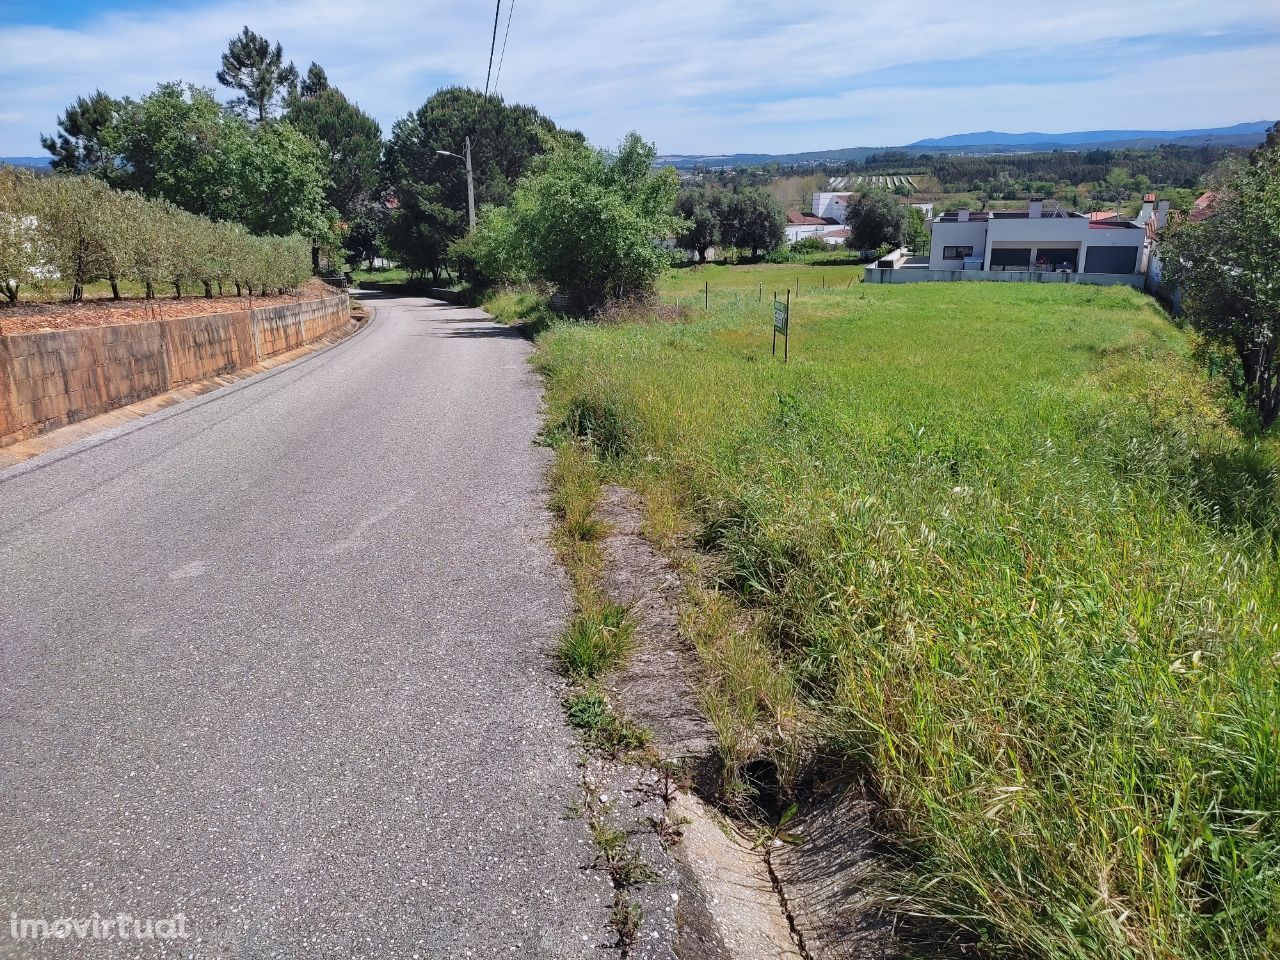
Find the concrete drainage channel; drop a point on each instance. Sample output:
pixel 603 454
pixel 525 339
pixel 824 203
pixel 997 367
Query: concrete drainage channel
pixel 691 880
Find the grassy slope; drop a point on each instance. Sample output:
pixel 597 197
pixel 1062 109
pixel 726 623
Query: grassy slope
pixel 1010 555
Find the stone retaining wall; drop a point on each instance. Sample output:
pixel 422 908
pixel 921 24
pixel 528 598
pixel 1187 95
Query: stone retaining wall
pixel 57 377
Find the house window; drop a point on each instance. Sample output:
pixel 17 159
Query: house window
pixel 956 253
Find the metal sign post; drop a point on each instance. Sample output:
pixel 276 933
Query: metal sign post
pixel 782 325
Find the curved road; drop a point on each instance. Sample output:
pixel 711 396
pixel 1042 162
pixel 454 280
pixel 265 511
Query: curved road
pixel 276 660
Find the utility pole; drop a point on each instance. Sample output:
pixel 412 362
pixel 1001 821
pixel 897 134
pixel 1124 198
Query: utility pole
pixel 471 183
pixel 471 190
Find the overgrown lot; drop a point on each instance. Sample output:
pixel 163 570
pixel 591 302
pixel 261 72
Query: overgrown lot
pixel 1009 551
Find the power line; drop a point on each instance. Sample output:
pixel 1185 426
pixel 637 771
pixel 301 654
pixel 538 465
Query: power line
pixel 493 43
pixel 503 56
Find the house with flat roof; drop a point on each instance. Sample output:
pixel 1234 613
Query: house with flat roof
pixel 1039 243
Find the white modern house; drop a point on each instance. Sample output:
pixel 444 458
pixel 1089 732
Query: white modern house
pixel 1036 244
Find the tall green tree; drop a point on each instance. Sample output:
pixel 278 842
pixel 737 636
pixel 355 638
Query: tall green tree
pixel 587 220
pixel 178 144
pixel 315 82
pixel 255 68
pixel 874 219
pixel 1227 269
pixel 349 139
pixel 84 141
pixel 431 188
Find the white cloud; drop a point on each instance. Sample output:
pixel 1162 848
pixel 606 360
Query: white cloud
pixel 716 76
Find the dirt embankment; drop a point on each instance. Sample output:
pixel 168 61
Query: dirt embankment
pixel 31 317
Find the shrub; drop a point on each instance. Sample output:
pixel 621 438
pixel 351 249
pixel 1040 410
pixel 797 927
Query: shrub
pixel 810 245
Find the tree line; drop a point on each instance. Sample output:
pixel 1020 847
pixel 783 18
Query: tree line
pixel 290 155
pixel 747 218
pixel 1107 175
pixel 78 230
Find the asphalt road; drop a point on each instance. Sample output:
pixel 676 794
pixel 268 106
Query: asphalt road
pixel 276 660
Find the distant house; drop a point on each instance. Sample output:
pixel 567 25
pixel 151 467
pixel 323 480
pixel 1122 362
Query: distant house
pixel 836 205
pixel 802 225
pixel 1202 209
pixel 1035 244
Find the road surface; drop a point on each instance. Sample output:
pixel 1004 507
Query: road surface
pixel 274 662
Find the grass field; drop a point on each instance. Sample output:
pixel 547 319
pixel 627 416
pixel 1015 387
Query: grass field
pixel 746 280
pixel 1008 551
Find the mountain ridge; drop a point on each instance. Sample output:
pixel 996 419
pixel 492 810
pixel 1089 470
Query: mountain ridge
pixel 993 142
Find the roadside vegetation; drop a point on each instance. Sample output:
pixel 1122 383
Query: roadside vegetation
pixel 61 234
pixel 1014 556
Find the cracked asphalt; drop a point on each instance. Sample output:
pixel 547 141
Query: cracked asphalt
pixel 276 660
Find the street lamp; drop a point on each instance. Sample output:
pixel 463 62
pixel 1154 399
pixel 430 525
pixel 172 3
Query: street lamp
pixel 471 185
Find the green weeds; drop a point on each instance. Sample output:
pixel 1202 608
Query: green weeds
pixel 603 729
pixel 596 641
pixel 1007 547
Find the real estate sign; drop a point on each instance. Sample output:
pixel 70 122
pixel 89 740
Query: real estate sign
pixel 782 325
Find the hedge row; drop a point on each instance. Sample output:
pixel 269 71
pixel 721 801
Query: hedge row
pixel 60 232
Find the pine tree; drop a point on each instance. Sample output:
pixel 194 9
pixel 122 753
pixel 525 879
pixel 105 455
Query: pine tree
pixel 83 141
pixel 255 68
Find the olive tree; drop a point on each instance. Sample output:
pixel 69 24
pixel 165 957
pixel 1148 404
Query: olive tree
pixel 76 228
pixel 20 254
pixel 151 240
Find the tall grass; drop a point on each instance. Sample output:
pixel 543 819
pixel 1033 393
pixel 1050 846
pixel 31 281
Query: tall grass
pixel 1017 560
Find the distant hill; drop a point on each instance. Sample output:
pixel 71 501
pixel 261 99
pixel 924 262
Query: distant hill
pixel 1252 131
pixel 25 161
pixel 992 142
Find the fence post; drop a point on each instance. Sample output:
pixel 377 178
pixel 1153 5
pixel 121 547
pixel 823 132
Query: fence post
pixel 706 294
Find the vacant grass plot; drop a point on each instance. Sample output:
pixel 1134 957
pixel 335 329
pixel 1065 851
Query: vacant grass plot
pixel 746 280
pixel 1010 554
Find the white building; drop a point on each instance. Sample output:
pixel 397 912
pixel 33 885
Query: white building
pixel 1043 241
pixel 802 225
pixel 836 205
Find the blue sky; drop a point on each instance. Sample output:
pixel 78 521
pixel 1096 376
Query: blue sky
pixel 715 76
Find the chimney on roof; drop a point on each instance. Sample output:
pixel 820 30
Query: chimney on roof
pixel 1035 209
pixel 1162 214
pixel 962 216
pixel 1148 208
